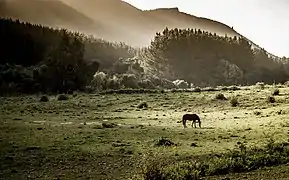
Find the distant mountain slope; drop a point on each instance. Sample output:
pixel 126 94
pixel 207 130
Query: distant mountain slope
pixel 49 12
pixel 174 18
pixel 113 20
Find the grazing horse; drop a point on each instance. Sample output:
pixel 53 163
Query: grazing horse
pixel 191 117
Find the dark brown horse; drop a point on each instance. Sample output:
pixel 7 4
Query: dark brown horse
pixel 191 117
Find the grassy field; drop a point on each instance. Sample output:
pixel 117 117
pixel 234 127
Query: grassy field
pixel 93 136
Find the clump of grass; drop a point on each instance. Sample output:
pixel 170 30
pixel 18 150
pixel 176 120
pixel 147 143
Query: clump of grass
pixel 97 126
pixel 142 105
pixel 220 96
pixel 74 94
pixel 158 167
pixel 257 113
pixel 240 159
pixel 62 97
pixel 234 102
pixel 276 92
pixel 44 99
pixel 162 91
pixel 165 142
pixel 271 99
pixel 108 125
pixel 261 85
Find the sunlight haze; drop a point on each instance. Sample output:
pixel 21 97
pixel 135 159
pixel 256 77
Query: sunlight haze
pixel 262 21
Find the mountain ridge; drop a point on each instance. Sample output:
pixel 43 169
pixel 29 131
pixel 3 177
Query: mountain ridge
pixel 112 20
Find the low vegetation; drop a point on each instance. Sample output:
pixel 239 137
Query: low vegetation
pixel 276 92
pixel 62 97
pixel 241 159
pixel 46 60
pixel 271 99
pixel 44 99
pixel 220 96
pixel 108 106
pixel 234 101
pixel 111 138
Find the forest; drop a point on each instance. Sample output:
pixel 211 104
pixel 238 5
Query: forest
pixel 207 59
pixel 36 59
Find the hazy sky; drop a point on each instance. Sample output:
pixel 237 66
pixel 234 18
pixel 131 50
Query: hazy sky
pixel 265 22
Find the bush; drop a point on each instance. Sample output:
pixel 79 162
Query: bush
pixel 62 97
pixel 44 99
pixel 260 85
pixel 271 99
pixel 153 167
pixel 276 92
pixel 234 102
pixel 129 81
pixel 142 105
pixel 181 84
pixel 147 84
pixel 108 125
pixel 99 81
pixel 220 96
pixel 165 142
pixel 240 159
pixel 257 113
pixel 113 83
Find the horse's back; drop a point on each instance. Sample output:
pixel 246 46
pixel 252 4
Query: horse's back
pixel 191 117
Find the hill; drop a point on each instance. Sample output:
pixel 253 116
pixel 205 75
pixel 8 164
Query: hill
pixel 51 13
pixel 113 20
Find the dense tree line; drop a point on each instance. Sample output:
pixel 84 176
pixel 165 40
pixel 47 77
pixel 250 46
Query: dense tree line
pixel 204 58
pixel 35 58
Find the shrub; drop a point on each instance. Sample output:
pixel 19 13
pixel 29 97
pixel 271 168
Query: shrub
pixel 160 169
pixel 112 83
pixel 44 99
pixel 181 84
pixel 257 113
pixel 147 84
pixel 165 142
pixel 286 83
pixel 108 125
pixel 260 85
pixel 234 101
pixel 153 167
pixel 142 105
pixel 220 96
pixel 62 97
pixel 276 92
pixel 240 159
pixel 129 81
pixel 99 80
pixel 271 99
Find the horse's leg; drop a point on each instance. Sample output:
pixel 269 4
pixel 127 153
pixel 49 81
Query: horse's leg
pixel 200 124
pixel 195 124
pixel 184 123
